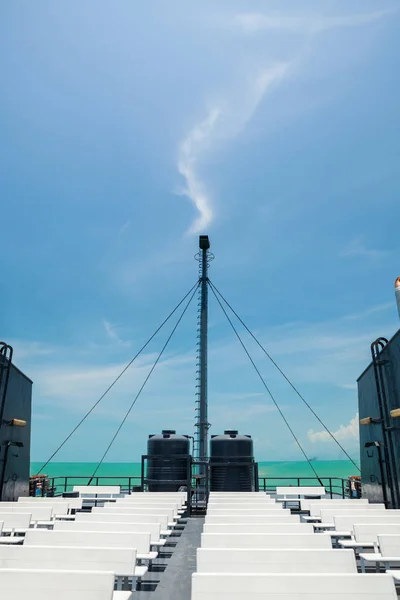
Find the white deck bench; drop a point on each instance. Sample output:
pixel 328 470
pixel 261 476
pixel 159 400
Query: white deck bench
pixel 349 586
pixel 366 534
pixel 149 510
pixel 295 493
pixel 102 539
pixel 342 521
pixel 389 553
pixel 154 497
pixel 14 523
pixel 152 528
pixel 343 524
pixel 277 560
pixel 39 584
pixel 245 509
pixel 258 528
pixel 128 505
pixel 305 504
pixel 253 518
pixel 39 513
pixel 74 503
pixel 265 540
pixel 315 508
pixel 109 517
pixel 121 561
pixel 110 491
pixel 236 500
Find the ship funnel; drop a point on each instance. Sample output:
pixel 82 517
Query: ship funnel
pixel 397 293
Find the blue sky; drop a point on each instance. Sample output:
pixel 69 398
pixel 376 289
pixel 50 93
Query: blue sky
pixel 127 130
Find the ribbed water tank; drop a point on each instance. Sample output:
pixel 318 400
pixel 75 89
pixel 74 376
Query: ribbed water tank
pixel 167 465
pixel 226 451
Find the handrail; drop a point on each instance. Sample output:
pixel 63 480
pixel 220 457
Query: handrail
pixel 335 486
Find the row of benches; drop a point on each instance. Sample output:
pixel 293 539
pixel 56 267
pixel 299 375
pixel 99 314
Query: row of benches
pixel 250 548
pixel 89 556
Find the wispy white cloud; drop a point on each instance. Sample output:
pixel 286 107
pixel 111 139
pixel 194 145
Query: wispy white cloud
pixel 345 432
pixel 111 331
pixel 220 124
pixel 123 228
pixel 357 247
pixel 309 24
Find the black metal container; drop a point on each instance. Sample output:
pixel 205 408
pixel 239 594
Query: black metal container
pixel 15 433
pixel 167 463
pixel 232 462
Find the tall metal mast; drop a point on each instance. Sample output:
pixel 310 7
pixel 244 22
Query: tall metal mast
pixel 202 424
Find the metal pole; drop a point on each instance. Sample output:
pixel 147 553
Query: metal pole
pixel 204 244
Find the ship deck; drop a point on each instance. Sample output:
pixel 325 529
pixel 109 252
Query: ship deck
pixel 170 576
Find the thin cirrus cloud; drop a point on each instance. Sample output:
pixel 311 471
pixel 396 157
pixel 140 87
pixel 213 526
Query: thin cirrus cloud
pixel 111 331
pixel 254 22
pixel 219 125
pixel 357 248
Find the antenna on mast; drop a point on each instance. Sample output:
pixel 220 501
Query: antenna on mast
pixel 204 256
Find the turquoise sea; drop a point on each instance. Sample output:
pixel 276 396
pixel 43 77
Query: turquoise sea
pixel 123 470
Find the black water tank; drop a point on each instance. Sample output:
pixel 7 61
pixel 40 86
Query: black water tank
pixel 225 452
pixel 166 465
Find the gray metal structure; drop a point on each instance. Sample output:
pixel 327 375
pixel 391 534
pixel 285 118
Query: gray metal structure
pixel 202 425
pixel 15 435
pixel 378 395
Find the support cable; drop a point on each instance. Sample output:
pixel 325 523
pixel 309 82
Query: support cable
pixel 144 383
pixel 285 376
pixel 266 386
pixel 196 285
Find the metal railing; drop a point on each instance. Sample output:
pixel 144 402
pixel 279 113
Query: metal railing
pixel 59 485
pixel 334 486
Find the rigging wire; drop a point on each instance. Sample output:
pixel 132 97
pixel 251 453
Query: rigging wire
pixel 144 383
pixel 266 386
pixel 118 377
pixel 285 376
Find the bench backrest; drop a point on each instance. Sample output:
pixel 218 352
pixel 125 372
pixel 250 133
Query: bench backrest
pixel 265 540
pixel 96 490
pixel 108 517
pixel 305 504
pixel 237 494
pixel 257 518
pixel 267 560
pixel 349 586
pixel 327 515
pixel 90 525
pixel 346 522
pixel 258 528
pixel 368 532
pixel 389 545
pixel 72 502
pixel 128 504
pixel 138 510
pixel 120 560
pixel 15 520
pixel 300 491
pixel 38 512
pixel 156 497
pixel 235 500
pixel 102 539
pixel 315 508
pixel 245 510
pixel 20 584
